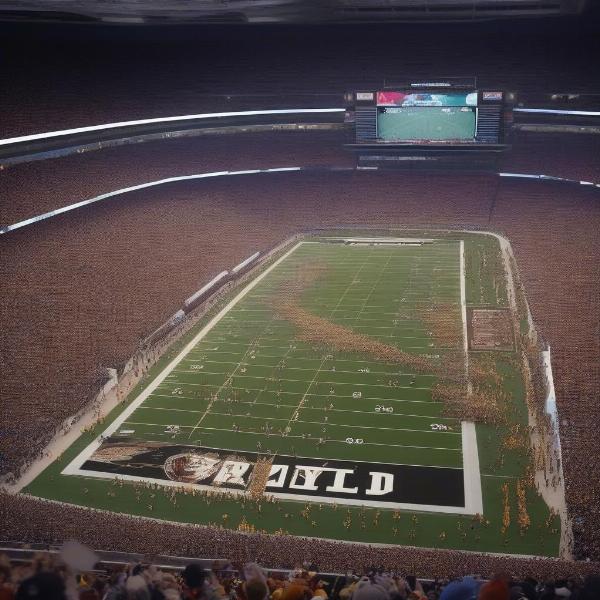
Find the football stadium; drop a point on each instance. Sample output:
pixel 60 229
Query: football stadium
pixel 285 320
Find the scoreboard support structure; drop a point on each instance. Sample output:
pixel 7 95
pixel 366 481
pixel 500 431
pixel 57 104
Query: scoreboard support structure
pixel 449 123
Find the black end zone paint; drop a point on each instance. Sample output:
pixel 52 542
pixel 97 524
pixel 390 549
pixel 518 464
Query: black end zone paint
pixel 409 484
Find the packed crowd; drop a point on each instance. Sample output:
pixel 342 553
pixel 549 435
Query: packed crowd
pixel 76 573
pixel 31 520
pixel 552 228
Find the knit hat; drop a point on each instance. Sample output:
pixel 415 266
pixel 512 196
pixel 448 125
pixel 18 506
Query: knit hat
pixel 365 590
pixel 463 589
pixel 496 589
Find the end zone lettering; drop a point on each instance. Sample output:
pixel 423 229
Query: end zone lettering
pixel 288 477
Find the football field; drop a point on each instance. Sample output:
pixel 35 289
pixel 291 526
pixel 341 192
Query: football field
pixel 358 388
pixel 322 373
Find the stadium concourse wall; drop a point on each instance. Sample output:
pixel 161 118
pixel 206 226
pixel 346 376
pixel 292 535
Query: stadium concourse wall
pixel 54 144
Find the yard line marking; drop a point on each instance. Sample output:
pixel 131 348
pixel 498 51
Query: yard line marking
pixel 316 395
pixel 273 369
pixel 366 312
pixel 343 410
pixel 224 341
pixel 249 350
pixel 266 419
pixel 356 325
pixel 243 375
pixel 427 301
pixel 307 437
pixel 337 360
pixel 471 469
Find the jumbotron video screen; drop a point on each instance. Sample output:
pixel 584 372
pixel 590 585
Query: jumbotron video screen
pixel 404 116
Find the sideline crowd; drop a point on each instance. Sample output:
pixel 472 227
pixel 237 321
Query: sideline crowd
pixel 60 577
pixel 33 520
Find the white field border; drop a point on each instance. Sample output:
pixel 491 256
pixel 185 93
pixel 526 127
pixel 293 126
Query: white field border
pixel 472 481
pixel 470 453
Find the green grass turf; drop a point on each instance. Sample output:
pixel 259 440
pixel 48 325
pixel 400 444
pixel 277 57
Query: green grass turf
pixel 363 285
pixel 358 291
pixel 426 123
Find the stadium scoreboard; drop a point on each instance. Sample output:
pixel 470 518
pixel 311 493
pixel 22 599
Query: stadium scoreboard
pixel 429 120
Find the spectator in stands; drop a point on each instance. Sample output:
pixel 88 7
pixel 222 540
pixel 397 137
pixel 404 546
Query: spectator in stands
pixel 497 589
pixel 197 585
pixel 6 589
pixel 137 588
pixel 591 588
pixel 466 588
pixel 42 586
pixel 368 589
pixel 256 589
pixel 48 577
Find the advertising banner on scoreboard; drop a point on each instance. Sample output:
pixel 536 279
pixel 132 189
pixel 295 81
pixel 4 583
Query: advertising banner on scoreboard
pixel 394 98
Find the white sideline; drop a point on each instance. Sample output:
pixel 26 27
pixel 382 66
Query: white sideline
pixel 470 453
pixel 199 116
